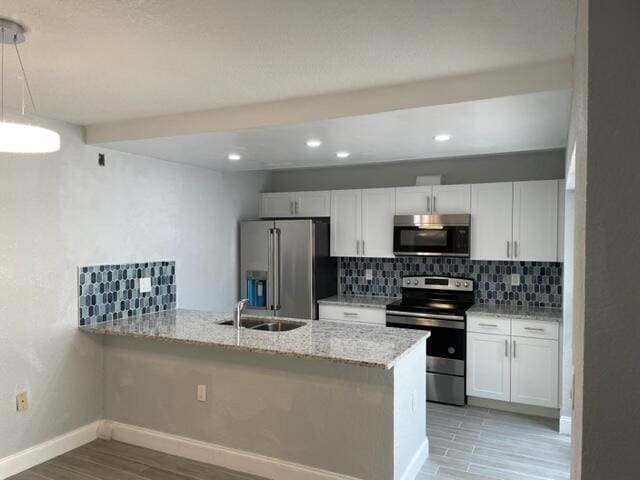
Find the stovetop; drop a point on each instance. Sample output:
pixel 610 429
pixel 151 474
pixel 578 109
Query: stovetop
pixel 435 295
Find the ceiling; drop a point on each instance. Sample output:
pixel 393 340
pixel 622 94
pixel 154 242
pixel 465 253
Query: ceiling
pixel 506 124
pixel 94 61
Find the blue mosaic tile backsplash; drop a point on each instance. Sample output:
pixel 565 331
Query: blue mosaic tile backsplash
pixel 540 282
pixel 109 292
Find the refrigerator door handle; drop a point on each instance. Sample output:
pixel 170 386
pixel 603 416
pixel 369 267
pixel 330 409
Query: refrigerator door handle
pixel 276 270
pixel 270 271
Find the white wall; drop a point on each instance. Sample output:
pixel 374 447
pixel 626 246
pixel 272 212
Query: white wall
pixel 62 210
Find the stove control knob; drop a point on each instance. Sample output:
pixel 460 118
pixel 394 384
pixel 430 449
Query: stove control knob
pixel 451 350
pixel 457 284
pixel 415 282
pixel 466 284
pixel 407 282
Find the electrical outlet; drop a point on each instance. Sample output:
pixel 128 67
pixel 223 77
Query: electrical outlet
pixel 202 393
pixel 145 285
pixel 368 274
pixel 22 402
pixel 515 279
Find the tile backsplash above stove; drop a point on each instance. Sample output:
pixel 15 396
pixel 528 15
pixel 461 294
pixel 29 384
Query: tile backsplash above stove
pixel 540 283
pixel 109 292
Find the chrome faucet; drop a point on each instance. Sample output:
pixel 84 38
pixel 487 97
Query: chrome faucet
pixel 238 309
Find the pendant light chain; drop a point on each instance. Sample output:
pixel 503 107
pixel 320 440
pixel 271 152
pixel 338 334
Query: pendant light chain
pixel 24 75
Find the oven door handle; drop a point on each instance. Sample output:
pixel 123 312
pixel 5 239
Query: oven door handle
pixel 459 318
pixel 421 321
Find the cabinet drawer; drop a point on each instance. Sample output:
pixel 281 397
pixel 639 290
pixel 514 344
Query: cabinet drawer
pixel 491 325
pixel 353 314
pixel 534 329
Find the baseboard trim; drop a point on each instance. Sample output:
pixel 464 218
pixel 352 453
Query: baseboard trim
pixel 210 453
pixel 565 425
pixel 514 407
pixel 416 463
pixel 25 459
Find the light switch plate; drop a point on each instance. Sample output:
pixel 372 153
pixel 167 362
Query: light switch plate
pixel 145 285
pixel 368 274
pixel 202 393
pixel 515 279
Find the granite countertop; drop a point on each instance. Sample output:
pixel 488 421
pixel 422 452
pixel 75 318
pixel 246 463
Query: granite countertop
pixel 526 313
pixel 366 345
pixel 358 301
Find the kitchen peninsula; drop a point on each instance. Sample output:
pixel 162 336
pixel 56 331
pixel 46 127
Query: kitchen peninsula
pixel 325 400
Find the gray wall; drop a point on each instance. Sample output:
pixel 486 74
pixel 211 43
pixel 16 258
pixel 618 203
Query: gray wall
pixel 542 165
pixel 280 407
pixel 59 211
pixel 606 327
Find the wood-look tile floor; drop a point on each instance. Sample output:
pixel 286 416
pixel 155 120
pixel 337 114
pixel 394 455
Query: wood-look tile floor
pixel 470 443
pixel 466 443
pixel 110 460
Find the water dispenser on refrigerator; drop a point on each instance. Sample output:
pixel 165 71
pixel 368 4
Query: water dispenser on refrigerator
pixel 257 289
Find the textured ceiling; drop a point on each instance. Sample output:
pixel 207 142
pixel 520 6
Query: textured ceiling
pixel 93 61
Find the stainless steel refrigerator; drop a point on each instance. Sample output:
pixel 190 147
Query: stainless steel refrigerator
pixel 285 266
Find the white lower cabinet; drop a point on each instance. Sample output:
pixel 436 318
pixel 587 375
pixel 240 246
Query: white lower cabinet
pixel 488 366
pixel 534 371
pixel 511 368
pixel 346 313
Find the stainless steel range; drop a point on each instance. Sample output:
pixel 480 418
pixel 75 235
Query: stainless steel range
pixel 438 304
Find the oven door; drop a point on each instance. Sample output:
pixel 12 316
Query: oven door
pixel 446 353
pixel 437 240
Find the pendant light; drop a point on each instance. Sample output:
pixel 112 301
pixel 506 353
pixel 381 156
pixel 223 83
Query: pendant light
pixel 21 137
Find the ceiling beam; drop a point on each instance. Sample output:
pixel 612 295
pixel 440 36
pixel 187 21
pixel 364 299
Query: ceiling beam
pixel 554 75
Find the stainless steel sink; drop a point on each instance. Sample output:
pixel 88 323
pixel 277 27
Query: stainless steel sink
pixel 266 325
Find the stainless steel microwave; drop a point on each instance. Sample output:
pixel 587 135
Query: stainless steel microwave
pixel 435 235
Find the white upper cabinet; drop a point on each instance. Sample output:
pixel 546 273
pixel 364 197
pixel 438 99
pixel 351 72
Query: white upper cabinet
pixel 491 221
pixel 534 371
pixel 535 221
pixel 441 199
pixel 346 223
pixel 515 221
pixel 413 200
pixel 313 204
pixel 451 199
pixel 561 206
pixel 362 222
pixel 295 204
pixel 277 204
pixel 378 208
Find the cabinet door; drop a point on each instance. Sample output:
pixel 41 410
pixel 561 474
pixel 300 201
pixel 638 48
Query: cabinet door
pixel 488 366
pixel 378 208
pixel 313 204
pixel 535 221
pixel 451 199
pixel 534 372
pixel 277 205
pixel 561 208
pixel 491 221
pixel 413 200
pixel 346 222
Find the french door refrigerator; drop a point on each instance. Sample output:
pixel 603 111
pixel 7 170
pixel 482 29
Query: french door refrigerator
pixel 285 266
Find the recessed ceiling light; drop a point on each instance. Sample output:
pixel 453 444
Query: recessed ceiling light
pixel 234 156
pixel 442 137
pixel 342 154
pixel 313 143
